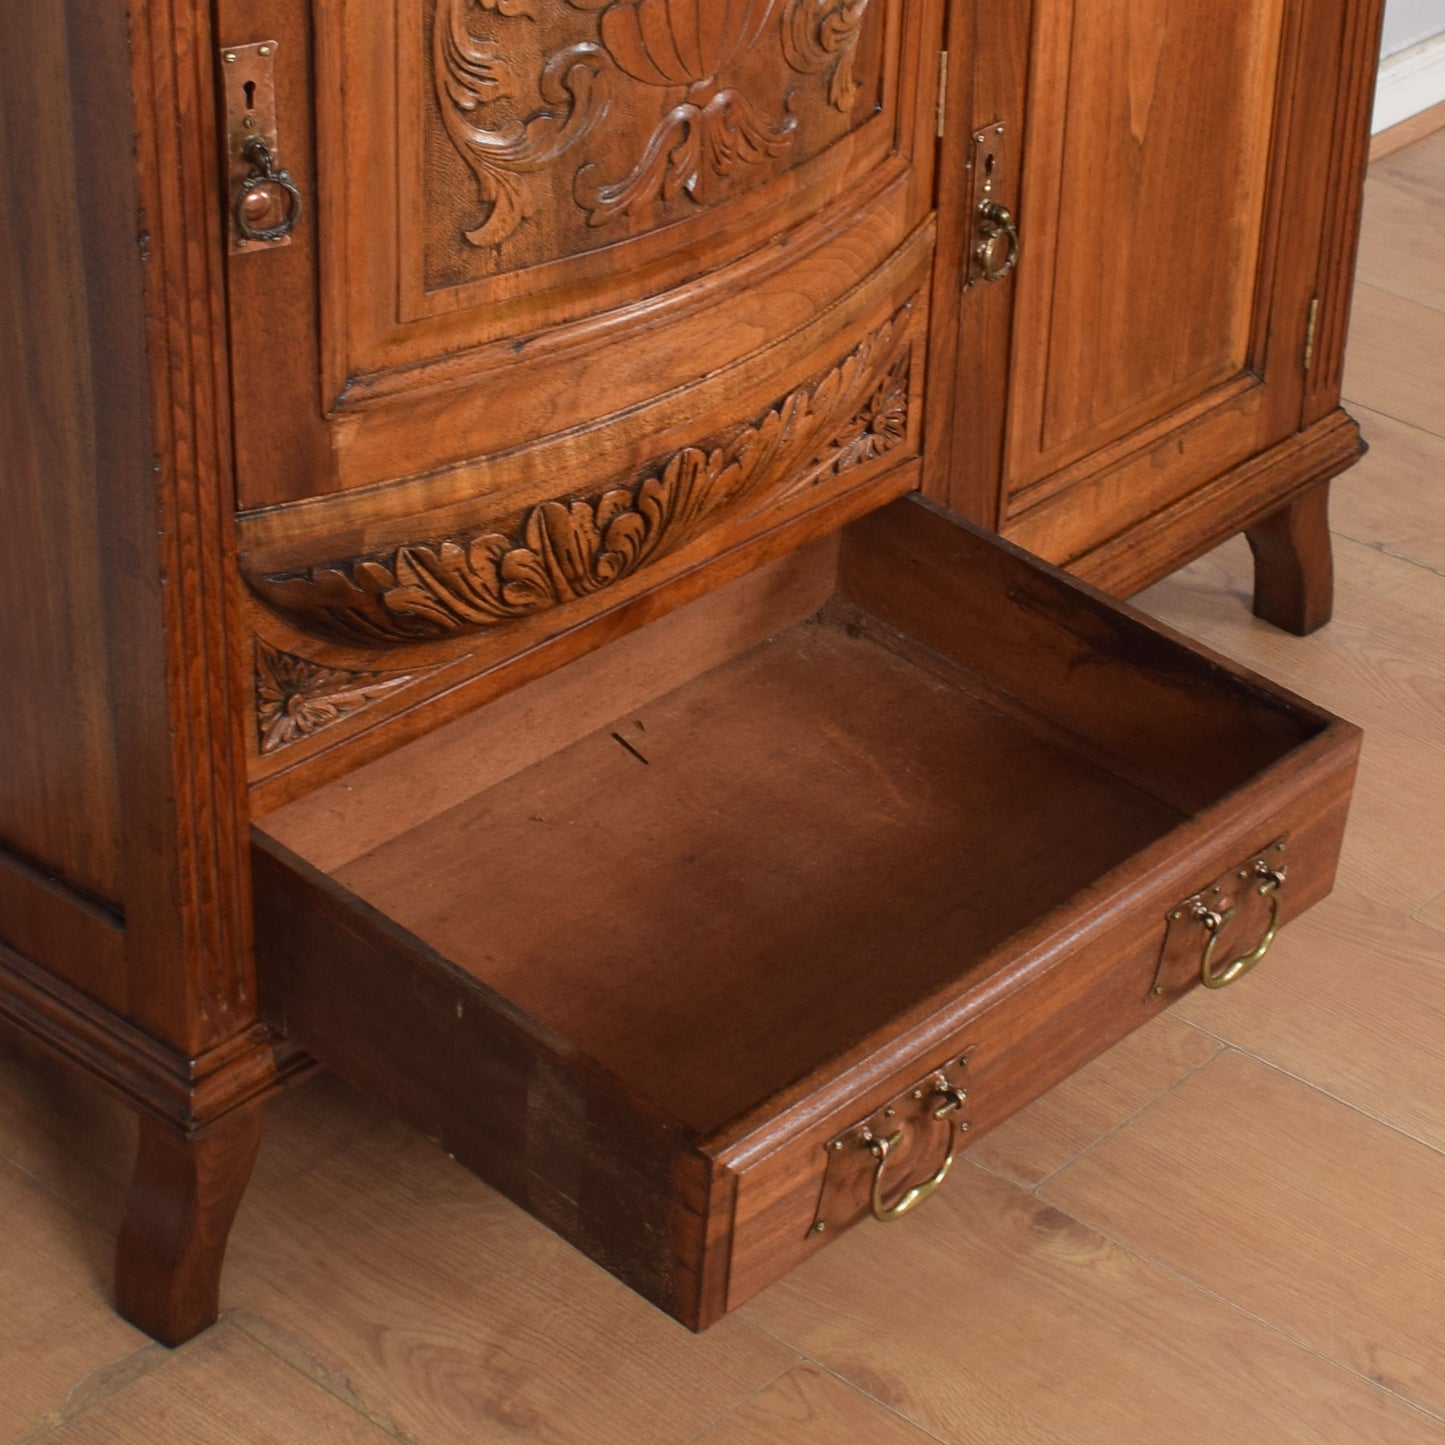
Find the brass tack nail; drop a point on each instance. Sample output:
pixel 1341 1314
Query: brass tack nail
pixel 836 1144
pixel 230 57
pixel 1175 914
pixel 1158 989
pixel 963 1126
pixel 265 50
pixel 918 1093
pixel 820 1226
pixel 889 1112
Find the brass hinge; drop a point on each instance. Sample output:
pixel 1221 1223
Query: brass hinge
pixel 1310 327
pixel 942 93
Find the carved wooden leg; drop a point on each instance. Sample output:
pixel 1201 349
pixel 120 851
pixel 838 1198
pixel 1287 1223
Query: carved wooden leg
pixel 1294 566
pixel 178 1217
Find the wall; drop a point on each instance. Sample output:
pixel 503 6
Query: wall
pixel 1412 73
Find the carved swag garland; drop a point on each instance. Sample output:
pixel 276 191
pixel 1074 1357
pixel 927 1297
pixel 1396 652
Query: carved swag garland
pixel 563 551
pixel 664 44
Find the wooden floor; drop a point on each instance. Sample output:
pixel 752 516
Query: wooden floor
pixel 1231 1228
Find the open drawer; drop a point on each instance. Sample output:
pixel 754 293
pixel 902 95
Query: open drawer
pixel 714 942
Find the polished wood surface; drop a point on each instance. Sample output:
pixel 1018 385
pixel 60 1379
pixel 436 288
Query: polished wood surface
pixel 1293 564
pixel 1145 199
pixel 671 997
pixel 456 1317
pixel 621 350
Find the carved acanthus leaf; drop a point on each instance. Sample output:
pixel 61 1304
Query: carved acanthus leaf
pixel 566 550
pixel 296 698
pixel 472 74
pixel 822 35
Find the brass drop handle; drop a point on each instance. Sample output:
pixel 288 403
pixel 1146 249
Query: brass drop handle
pixel 1272 881
pixel 255 198
pixel 953 1099
pixel 996 225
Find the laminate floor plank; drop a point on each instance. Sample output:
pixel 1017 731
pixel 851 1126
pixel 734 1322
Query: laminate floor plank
pixel 1292 1205
pixel 1433 913
pixel 451 1312
pixel 1398 203
pixel 807 1406
pixel 996 1319
pixel 1393 359
pixel 57 1328
pixel 1078 1112
pixel 1351 999
pixel 220 1389
pixel 1380 663
pixel 1394 500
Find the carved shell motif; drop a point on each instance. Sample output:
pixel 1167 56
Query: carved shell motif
pixel 566 550
pixel 713 132
pixel 682 42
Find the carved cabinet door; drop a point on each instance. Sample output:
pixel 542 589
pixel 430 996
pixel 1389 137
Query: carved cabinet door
pixel 582 293
pixel 1168 163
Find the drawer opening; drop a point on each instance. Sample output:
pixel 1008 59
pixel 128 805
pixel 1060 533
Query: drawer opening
pixel 817 799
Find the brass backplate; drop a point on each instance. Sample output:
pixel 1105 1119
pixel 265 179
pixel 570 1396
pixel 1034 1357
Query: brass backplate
pixel 848 1179
pixel 987 156
pixel 248 90
pixel 1234 899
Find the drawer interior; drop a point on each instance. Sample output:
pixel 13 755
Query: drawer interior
pixel 722 857
pixel 733 882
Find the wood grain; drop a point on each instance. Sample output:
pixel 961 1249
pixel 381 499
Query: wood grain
pixel 223 1388
pixel 57 1327
pixel 994 1317
pixel 1433 913
pixel 1392 500
pixel 1404 202
pixel 1381 663
pixel 807 1406
pixel 1394 358
pixel 1294 574
pixel 74 1139
pixel 1314 1218
pixel 59 794
pixel 453 1313
pixel 1353 1002
pixel 1089 1104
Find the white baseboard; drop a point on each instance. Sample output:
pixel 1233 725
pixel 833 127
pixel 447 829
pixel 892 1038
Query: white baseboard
pixel 1410 81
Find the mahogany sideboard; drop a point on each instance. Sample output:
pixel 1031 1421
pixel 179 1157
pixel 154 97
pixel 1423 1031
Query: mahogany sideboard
pixel 529 577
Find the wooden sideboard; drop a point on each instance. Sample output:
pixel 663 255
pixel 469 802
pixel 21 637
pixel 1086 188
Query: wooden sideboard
pixel 512 589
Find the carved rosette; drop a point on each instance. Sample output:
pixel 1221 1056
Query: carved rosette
pixel 710 134
pixel 297 698
pixel 562 551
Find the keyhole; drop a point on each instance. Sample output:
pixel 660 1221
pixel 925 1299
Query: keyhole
pixel 988 160
pixel 250 89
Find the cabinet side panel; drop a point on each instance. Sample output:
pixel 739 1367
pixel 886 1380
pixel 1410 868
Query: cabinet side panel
pixel 59 805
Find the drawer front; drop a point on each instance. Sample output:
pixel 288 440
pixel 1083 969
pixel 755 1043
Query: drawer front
pixel 1009 1041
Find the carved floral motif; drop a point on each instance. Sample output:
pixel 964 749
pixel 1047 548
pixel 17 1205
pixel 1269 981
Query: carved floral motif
pixel 565 550
pixel 296 698
pixel 822 35
pixel 712 133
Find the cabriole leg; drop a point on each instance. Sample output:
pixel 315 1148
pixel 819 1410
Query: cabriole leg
pixel 1294 568
pixel 183 1199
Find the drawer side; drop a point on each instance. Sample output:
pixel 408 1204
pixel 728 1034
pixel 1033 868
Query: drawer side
pixel 513 1104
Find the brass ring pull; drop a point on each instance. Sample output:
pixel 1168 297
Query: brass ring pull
pixel 1214 922
pixel 264 173
pixel 881 1148
pixel 996 221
